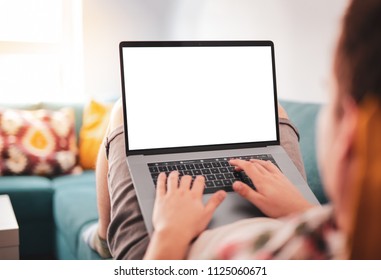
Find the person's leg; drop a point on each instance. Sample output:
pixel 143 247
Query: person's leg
pixel 289 140
pixel 101 174
pixel 98 241
pixel 96 235
pixel 103 198
pixel 126 235
pixel 120 218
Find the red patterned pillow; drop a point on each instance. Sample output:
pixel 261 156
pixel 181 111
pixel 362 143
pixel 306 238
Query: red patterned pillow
pixel 40 142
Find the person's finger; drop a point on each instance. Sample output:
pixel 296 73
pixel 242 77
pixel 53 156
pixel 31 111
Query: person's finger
pixel 237 169
pixel 214 202
pixel 248 193
pixel 256 172
pixel 198 186
pixel 185 182
pixel 250 169
pixel 259 168
pixel 173 181
pixel 239 164
pixel 232 162
pixel 260 177
pixel 161 187
pixel 268 165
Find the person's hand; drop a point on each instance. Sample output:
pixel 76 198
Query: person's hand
pixel 179 208
pixel 275 195
pixel 179 214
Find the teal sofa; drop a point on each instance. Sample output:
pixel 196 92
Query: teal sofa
pixel 54 213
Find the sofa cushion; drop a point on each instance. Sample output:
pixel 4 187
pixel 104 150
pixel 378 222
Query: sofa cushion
pixel 77 107
pixel 85 179
pixel 37 142
pixel 62 248
pixel 74 207
pixel 31 196
pixel 84 252
pixel 94 124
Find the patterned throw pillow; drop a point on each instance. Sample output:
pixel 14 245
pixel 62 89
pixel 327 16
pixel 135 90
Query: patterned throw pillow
pixel 39 142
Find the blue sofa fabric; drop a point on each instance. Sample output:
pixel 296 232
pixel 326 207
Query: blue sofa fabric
pixel 74 207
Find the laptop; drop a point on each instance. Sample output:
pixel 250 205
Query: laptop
pixel 193 105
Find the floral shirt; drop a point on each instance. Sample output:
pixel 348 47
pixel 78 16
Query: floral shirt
pixel 311 235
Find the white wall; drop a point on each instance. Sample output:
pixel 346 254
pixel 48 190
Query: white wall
pixel 106 23
pixel 304 33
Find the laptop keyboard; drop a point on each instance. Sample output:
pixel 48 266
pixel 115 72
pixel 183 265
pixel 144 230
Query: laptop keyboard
pixel 218 173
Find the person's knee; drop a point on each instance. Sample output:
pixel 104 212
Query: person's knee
pixel 115 120
pixel 116 117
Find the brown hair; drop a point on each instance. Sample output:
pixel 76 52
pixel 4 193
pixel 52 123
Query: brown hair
pixel 358 73
pixel 358 55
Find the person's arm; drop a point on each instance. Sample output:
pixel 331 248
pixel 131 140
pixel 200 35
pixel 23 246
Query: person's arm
pixel 179 215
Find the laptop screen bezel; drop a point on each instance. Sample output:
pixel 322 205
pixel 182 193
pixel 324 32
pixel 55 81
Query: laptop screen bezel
pixel 145 44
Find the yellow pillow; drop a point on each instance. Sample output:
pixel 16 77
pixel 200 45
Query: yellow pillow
pixel 94 124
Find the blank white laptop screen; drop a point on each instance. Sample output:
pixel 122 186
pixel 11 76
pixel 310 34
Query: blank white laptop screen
pixel 195 96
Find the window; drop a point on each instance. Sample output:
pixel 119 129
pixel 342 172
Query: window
pixel 40 50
